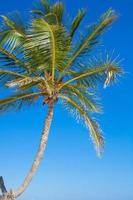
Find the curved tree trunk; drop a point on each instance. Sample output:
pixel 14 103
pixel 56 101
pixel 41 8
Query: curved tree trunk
pixel 39 155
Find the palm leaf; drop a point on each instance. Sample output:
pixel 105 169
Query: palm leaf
pixel 86 99
pixel 58 10
pixel 95 72
pixel 21 82
pixel 52 42
pixel 87 43
pixel 15 23
pixel 7 76
pixel 46 5
pixel 12 73
pixel 10 60
pixel 53 14
pixel 12 39
pixel 76 22
pixel 12 34
pixel 18 100
pixel 38 12
pixel 95 130
pixel 42 8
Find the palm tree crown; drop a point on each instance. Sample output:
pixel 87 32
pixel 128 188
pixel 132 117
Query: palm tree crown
pixel 42 59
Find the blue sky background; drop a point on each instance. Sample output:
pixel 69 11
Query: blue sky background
pixel 71 170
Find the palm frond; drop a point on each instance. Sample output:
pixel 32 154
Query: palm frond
pixel 12 34
pixel 15 24
pixel 87 100
pixel 58 10
pixel 77 21
pixel 46 5
pixel 90 39
pixel 10 60
pixel 22 82
pixel 96 134
pixel 38 12
pixel 10 40
pixel 53 14
pixel 7 76
pixel 96 72
pixel 12 73
pixel 18 100
pixel 52 42
pixel 42 8
pixel 94 128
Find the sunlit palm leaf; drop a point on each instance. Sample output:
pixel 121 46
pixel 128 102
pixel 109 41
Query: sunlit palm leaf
pixel 13 33
pixel 18 100
pixel 76 22
pixel 52 42
pixel 46 5
pixel 89 40
pixel 95 130
pixel 95 72
pixel 10 60
pixel 58 10
pixel 14 23
pixel 87 100
pixel 24 81
pixel 53 14
pixel 8 75
pixel 12 73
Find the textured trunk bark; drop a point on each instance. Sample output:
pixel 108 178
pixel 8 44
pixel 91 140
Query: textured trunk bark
pixel 39 155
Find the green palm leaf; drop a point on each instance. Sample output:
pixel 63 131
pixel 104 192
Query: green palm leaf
pixel 88 101
pixel 10 60
pixel 88 42
pixel 95 72
pixel 52 42
pixel 14 24
pixel 95 130
pixel 18 100
pixel 77 21
pixel 13 33
pixel 12 73
pixel 8 75
pixel 46 5
pixel 58 10
pixel 53 14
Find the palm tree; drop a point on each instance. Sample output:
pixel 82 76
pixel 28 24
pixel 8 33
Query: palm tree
pixel 43 60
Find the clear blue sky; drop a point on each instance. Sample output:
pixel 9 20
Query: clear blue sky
pixel 71 170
